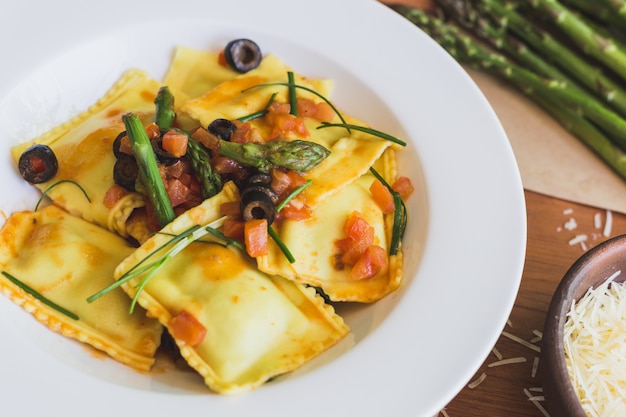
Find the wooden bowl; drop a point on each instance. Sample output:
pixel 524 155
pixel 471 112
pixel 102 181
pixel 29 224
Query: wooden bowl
pixel 590 270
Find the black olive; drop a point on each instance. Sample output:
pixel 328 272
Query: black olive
pixel 38 164
pixel 256 204
pixel 162 155
pixel 259 178
pixel 222 128
pixel 117 143
pixel 125 172
pixel 242 55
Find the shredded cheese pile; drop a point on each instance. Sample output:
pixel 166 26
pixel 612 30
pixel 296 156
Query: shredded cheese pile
pixel 595 349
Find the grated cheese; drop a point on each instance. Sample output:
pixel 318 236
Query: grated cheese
pixel 508 361
pixel 608 224
pixel 533 372
pixel 597 220
pixel 595 349
pixel 536 399
pixel 577 239
pixel 521 341
pixel 477 381
pixel 571 224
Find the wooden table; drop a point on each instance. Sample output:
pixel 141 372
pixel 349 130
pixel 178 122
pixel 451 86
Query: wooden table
pixel 553 227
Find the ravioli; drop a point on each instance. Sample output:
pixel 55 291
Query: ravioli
pixel 257 325
pixel 194 72
pixel 312 243
pixel 67 259
pixel 352 152
pixel 83 147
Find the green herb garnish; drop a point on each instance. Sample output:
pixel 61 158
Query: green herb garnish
pixel 38 296
pixel 365 129
pixel 302 87
pixel 259 113
pixel 399 216
pixel 293 194
pixel 47 190
pixel 281 245
pixel 172 248
pixel 293 99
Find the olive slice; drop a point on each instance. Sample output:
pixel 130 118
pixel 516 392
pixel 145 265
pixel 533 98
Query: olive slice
pixel 117 143
pixel 256 204
pixel 222 128
pixel 38 164
pixel 242 55
pixel 125 172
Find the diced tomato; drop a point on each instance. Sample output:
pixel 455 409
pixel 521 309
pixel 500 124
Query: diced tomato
pixel 370 263
pixel 223 165
pixel 382 196
pixel 403 186
pixel 177 192
pixel 356 227
pixel 321 111
pixel 113 195
pixel 175 143
pixel 186 328
pixel 280 182
pixel 234 229
pixel 256 237
pixel 153 131
pixel 278 107
pixel 283 122
pixel 285 181
pixel 230 208
pixel 361 236
pixel 221 59
pixel 242 133
pixel 125 146
pixel 37 165
pixel 343 244
pixel 208 139
pixel 306 107
pixel 325 113
pixel 295 212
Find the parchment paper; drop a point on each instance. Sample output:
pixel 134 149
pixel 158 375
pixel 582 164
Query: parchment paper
pixel 550 159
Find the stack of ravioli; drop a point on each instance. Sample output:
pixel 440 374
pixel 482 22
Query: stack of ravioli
pixel 263 317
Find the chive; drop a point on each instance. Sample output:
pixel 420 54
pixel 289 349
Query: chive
pixel 310 90
pixel 229 241
pixel 178 243
pixel 38 296
pixel 138 269
pixel 47 190
pixel 293 194
pixel 399 216
pixel 369 130
pixel 293 100
pixel 281 245
pixel 259 113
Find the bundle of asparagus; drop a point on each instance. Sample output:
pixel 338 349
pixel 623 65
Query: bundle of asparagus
pixel 566 55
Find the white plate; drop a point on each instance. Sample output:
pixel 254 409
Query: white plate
pixel 407 355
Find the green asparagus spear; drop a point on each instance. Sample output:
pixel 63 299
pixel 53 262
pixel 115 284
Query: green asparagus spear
pixel 601 10
pixel 297 155
pixel 148 170
pixel 542 41
pixel 164 114
pixel 466 50
pixel 590 41
pixel 588 134
pixel 200 159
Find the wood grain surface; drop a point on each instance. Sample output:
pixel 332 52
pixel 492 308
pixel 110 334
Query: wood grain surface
pixel 514 389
